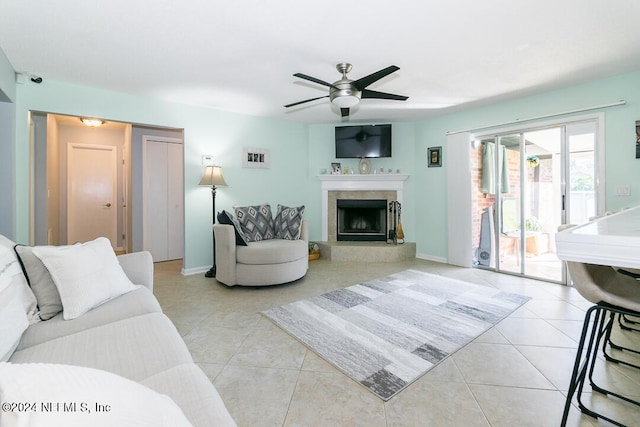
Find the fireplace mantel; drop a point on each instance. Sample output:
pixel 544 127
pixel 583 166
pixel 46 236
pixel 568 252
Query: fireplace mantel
pixel 366 182
pixel 372 182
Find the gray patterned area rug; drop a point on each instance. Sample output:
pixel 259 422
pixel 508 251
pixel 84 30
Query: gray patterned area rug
pixel 388 332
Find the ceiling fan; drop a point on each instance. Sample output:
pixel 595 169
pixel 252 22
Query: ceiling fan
pixel 346 93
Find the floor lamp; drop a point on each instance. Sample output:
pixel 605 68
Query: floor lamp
pixel 213 177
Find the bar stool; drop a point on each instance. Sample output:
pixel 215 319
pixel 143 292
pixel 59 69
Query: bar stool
pixel 623 320
pixel 613 294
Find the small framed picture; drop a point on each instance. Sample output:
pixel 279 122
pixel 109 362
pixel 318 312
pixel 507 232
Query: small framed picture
pixel 253 157
pixel 434 157
pixel 335 169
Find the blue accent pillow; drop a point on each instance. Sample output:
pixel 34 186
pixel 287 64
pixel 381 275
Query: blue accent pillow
pixel 225 217
pixel 288 222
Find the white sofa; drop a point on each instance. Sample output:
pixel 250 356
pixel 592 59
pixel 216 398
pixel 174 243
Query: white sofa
pixel 260 263
pixel 128 336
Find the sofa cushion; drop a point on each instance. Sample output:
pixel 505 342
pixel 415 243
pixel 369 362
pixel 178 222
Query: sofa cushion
pixel 129 403
pixel 135 348
pixel 86 274
pixel 13 323
pixel 256 222
pixel 40 281
pixel 273 251
pixel 225 217
pixel 135 303
pixel 190 388
pixel 288 222
pixel 17 302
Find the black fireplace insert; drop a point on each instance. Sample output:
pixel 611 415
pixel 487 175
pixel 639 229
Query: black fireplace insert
pixel 362 220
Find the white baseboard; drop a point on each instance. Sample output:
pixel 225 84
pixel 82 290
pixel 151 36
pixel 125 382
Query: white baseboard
pixel 192 271
pixel 431 258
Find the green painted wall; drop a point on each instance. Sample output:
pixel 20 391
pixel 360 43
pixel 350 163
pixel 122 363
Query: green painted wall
pixel 7 148
pixel 7 80
pixel 299 152
pixel 206 131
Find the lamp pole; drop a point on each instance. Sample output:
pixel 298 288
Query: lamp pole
pixel 213 176
pixel 212 270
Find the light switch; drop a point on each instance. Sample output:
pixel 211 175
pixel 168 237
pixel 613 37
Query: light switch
pixel 207 160
pixel 623 190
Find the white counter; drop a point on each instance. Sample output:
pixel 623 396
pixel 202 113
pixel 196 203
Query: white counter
pixel 610 240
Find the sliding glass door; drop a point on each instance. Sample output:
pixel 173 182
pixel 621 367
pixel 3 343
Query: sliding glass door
pixel 529 183
pixel 581 165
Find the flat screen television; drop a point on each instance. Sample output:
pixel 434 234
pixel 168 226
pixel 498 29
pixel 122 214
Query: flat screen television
pixel 363 141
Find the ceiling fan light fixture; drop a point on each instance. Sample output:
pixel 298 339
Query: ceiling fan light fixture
pixel 345 101
pixel 346 93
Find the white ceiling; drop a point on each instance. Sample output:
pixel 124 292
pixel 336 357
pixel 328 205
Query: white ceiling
pixel 240 55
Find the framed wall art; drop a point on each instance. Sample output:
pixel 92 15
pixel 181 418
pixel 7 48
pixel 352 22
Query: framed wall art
pixel 256 158
pixel 434 156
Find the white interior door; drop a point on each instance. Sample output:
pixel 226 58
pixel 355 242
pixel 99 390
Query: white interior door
pixel 92 172
pixel 163 228
pixel 175 197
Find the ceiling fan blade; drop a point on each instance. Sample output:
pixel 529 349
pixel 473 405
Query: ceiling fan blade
pixel 360 84
pixel 344 112
pixel 306 100
pixel 382 95
pixel 312 79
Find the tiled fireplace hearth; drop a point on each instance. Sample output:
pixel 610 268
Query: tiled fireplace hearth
pixel 386 188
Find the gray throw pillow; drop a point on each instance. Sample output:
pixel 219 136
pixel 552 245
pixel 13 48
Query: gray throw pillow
pixel 256 222
pixel 288 222
pixel 42 286
pixel 225 217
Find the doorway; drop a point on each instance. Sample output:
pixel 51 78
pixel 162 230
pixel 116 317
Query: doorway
pixel 51 137
pixel 529 183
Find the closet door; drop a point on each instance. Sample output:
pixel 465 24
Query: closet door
pixel 175 208
pixel 163 200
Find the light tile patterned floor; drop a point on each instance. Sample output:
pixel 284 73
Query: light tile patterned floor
pixel 515 374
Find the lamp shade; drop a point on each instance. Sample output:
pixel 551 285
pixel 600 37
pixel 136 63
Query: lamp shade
pixel 213 177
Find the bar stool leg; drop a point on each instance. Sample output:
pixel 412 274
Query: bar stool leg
pixel 584 366
pixel 580 367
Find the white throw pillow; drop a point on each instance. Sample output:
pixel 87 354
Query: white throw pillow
pixel 86 275
pixel 17 302
pixel 39 394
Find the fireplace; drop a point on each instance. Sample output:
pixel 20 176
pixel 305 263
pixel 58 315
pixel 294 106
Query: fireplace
pixel 387 187
pixel 361 220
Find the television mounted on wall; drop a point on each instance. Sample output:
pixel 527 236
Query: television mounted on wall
pixel 363 141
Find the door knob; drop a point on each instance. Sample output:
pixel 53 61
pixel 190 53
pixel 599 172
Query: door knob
pixel 108 205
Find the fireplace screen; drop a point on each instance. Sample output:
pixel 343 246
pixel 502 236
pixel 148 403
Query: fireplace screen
pixel 362 220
